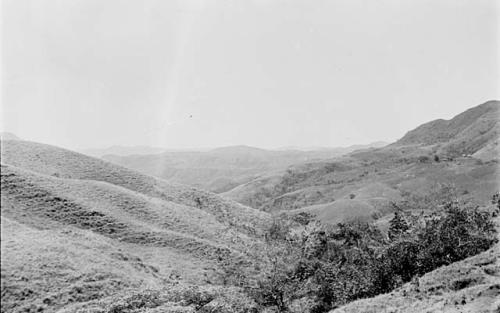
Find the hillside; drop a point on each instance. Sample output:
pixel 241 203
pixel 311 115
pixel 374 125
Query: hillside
pixel 77 229
pixel 222 169
pixel 8 136
pixel 466 133
pixel 422 160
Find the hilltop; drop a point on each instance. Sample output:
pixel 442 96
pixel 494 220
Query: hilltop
pixel 467 133
pixel 8 136
pixel 462 151
pixel 76 230
pixel 221 169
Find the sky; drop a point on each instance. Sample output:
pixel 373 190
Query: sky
pixel 265 73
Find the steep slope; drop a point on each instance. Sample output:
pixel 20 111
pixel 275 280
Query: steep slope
pixel 466 133
pixel 462 152
pixel 78 229
pixel 221 169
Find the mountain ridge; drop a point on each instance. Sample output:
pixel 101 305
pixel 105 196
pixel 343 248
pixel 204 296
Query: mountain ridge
pixel 420 159
pixel 465 133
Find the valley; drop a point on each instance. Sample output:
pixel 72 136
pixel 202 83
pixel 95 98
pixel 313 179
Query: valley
pixel 129 233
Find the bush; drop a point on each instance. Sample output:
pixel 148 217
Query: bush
pixel 330 266
pixel 303 218
pixel 423 159
pixel 456 234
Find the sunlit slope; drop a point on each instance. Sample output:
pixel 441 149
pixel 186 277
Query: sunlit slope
pixel 51 268
pixel 61 163
pixel 78 229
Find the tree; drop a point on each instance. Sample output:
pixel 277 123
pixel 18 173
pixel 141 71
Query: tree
pixel 496 200
pixel 277 286
pixel 398 226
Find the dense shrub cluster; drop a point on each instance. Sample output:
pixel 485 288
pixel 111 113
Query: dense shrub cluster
pixel 320 266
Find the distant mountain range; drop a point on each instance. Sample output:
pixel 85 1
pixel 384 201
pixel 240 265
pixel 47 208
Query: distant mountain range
pixel 122 150
pixel 224 168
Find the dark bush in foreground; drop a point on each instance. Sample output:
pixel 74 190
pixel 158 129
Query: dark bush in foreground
pixel 330 266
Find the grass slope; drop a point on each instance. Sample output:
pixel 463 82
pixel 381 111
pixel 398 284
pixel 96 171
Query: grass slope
pixel 77 229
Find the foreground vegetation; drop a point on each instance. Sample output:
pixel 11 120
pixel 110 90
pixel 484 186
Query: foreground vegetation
pixel 313 267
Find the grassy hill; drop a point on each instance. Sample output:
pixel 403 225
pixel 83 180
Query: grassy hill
pixel 76 230
pixel 8 136
pixel 423 159
pixel 81 234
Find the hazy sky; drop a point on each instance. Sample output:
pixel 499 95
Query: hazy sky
pixel 268 73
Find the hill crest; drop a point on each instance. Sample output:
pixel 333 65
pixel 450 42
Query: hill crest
pixel 466 133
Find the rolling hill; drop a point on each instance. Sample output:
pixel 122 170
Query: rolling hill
pixel 462 151
pixel 122 151
pixel 222 169
pixel 78 230
pixel 81 234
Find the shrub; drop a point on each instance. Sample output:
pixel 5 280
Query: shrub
pixel 330 266
pixel 423 159
pixel 398 226
pixel 303 218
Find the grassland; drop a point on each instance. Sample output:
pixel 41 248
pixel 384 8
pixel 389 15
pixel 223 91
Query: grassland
pixel 77 229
